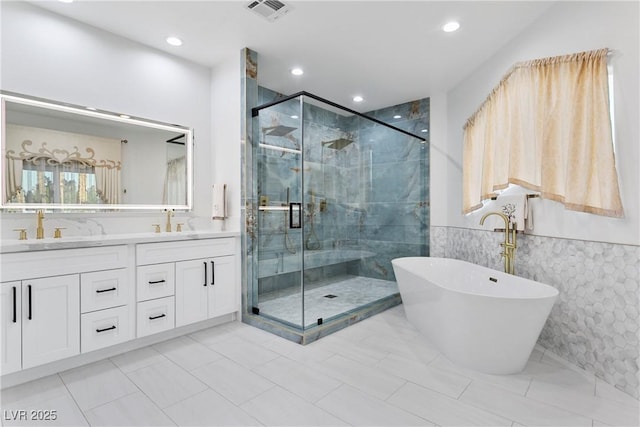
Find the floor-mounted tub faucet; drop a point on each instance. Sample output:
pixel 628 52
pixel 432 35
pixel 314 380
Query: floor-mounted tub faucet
pixel 509 244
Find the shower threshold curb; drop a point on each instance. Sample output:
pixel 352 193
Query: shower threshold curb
pixel 316 332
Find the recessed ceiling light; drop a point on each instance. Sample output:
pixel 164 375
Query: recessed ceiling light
pixel 174 41
pixel 358 98
pixel 397 116
pixel 297 71
pixel 294 117
pixel 424 130
pixel 450 26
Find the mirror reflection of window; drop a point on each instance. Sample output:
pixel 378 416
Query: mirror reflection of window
pixel 69 183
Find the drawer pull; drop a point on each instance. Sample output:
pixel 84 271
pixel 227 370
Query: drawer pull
pixel 106 329
pixel 205 273
pixel 99 291
pixel 29 292
pixel 15 320
pixel 157 317
pixel 155 282
pixel 213 273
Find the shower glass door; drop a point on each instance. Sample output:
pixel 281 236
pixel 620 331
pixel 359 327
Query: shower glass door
pixel 279 164
pixel 339 196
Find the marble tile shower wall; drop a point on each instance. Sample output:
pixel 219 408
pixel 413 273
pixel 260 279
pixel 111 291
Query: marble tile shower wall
pixel 373 191
pixel 595 322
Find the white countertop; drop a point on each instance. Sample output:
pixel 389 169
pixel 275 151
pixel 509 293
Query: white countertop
pixel 72 242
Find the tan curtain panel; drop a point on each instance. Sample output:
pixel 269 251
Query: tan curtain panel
pixel 546 127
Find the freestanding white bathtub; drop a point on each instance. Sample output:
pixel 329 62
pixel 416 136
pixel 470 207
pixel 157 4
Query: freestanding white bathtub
pixel 477 317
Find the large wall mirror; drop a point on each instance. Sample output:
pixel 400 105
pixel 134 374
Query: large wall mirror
pixel 57 156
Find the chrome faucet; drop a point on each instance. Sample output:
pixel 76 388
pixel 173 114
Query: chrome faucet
pixel 169 215
pixel 509 245
pixel 40 228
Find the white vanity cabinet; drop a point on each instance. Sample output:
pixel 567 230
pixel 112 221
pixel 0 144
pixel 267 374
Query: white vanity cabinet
pixel 205 276
pixel 40 321
pixel 50 321
pixel 42 311
pixel 206 289
pixel 64 303
pixel 11 327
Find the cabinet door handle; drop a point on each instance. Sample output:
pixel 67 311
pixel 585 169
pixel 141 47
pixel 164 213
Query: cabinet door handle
pixel 157 317
pixel 99 291
pixel 29 294
pixel 155 282
pixel 205 273
pixel 15 308
pixel 213 273
pixel 106 329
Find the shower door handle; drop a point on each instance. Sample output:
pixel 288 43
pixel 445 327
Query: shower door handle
pixel 295 215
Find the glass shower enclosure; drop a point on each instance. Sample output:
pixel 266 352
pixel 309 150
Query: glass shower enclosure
pixel 338 195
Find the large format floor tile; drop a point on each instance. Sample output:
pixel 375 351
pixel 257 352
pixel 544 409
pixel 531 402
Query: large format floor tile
pixel 360 409
pixel 187 353
pixel 519 408
pixel 60 410
pixel 443 410
pixel 209 409
pixel 137 359
pixel 300 379
pixel 166 383
pixel 96 384
pixel 366 378
pixel 243 352
pixel 135 409
pixel 278 407
pixel 235 382
pixel 379 372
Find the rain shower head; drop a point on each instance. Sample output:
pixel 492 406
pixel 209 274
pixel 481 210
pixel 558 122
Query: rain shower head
pixel 278 130
pixel 338 144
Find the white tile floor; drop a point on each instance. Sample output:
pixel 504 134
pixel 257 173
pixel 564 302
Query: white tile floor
pixel 377 372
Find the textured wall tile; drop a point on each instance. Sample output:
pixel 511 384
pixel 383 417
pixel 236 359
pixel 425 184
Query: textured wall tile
pixel 594 323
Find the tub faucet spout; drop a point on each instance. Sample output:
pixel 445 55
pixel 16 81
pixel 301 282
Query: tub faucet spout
pixel 509 244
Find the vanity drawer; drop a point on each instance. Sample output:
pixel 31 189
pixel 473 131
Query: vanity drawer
pixel 103 289
pixel 104 328
pixel 155 281
pixel 155 316
pixel 155 253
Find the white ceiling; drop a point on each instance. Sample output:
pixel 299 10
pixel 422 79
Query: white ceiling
pixel 388 51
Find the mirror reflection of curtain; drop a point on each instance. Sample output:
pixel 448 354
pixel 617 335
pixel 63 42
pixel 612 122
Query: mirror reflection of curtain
pixel 14 180
pixel 175 182
pixel 108 183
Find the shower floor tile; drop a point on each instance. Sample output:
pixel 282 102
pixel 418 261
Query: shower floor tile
pixel 327 300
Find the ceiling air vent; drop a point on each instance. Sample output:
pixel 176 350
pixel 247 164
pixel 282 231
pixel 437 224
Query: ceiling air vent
pixel 269 9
